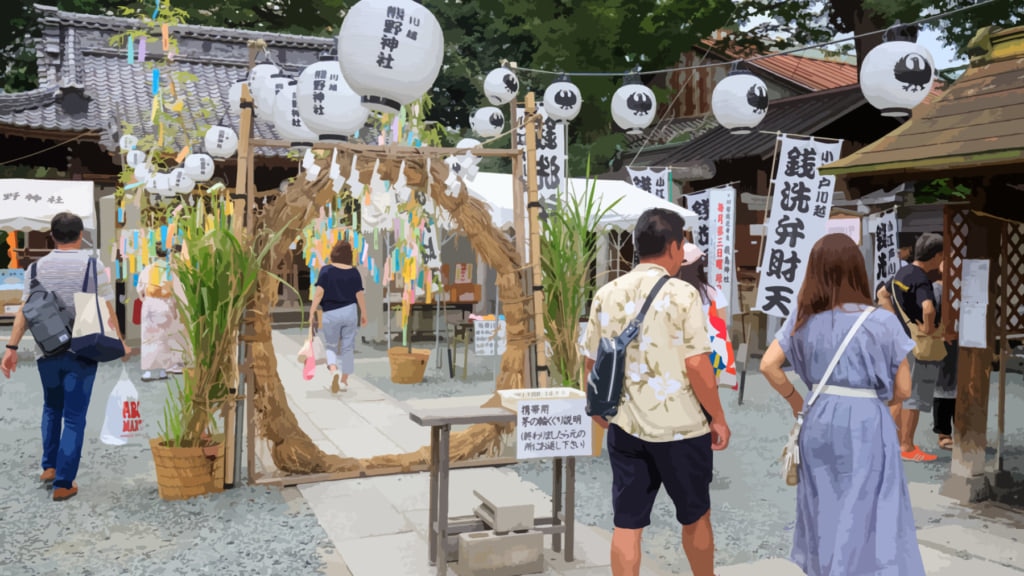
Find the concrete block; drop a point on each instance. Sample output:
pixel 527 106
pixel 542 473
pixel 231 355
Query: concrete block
pixel 489 554
pixel 503 517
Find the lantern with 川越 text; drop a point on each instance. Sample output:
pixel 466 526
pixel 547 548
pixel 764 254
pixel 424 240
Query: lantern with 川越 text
pixel 261 84
pixel 180 182
pixel 390 52
pixel 134 158
pixel 562 100
pixel 500 86
pixel 740 102
pixel 287 120
pixel 128 142
pixel 221 141
pixel 199 167
pixel 327 105
pixel 633 106
pixel 897 75
pixel 487 122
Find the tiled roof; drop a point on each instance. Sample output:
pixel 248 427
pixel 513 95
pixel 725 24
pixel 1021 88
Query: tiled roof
pixel 978 124
pixel 74 54
pixel 668 130
pixel 811 73
pixel 804 114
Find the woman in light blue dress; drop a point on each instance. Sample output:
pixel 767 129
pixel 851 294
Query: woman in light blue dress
pixel 853 515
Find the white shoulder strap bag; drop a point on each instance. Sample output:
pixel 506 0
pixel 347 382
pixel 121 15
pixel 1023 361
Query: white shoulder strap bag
pixel 791 452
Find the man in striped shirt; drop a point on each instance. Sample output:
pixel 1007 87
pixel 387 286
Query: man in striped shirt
pixel 67 379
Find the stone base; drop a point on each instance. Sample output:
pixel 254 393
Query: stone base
pixel 488 554
pixel 967 489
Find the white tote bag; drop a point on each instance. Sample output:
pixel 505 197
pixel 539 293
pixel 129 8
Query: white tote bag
pixel 123 420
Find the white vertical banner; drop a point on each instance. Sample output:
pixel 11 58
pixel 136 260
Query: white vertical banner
pixel 887 254
pixel 698 202
pixel 801 204
pixel 722 203
pixel 658 183
pixel 552 154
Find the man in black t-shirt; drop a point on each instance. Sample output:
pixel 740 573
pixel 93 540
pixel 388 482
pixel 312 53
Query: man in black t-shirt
pixel 911 297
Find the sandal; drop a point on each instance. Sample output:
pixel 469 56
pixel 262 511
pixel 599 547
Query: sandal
pixel 334 383
pixel 945 442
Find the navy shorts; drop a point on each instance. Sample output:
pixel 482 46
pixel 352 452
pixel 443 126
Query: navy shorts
pixel 639 468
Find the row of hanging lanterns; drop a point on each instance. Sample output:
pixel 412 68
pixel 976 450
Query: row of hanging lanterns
pixel 895 77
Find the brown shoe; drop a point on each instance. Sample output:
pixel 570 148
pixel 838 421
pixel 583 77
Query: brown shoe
pixel 60 494
pixel 48 475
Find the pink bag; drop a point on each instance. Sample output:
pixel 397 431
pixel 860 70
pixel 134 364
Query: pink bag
pixel 309 368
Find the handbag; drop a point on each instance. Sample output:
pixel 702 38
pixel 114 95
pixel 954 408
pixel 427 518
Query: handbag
pixel 604 385
pixel 89 338
pixel 927 347
pixel 791 451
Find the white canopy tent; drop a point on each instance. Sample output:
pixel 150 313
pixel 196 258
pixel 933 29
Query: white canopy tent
pixel 496 190
pixel 29 205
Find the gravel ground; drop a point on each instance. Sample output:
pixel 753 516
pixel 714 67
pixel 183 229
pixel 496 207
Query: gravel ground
pixel 117 524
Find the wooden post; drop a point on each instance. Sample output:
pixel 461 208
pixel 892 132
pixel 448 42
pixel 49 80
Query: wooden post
pixel 519 224
pixel 1004 344
pixel 967 482
pixel 533 205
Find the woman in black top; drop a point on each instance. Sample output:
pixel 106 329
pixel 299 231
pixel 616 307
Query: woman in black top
pixel 339 290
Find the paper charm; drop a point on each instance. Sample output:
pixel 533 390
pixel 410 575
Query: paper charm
pixel 335 173
pixel 354 182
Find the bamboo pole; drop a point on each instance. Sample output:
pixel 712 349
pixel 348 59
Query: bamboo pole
pixel 533 205
pixel 519 211
pixel 392 151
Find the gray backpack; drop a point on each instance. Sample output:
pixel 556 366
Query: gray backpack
pixel 48 319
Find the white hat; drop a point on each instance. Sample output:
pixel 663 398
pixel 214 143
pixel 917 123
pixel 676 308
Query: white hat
pixel 691 254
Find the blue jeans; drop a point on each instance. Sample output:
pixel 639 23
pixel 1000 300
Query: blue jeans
pixel 338 331
pixel 67 388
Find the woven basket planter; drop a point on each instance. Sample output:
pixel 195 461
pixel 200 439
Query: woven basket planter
pixel 183 473
pixel 406 367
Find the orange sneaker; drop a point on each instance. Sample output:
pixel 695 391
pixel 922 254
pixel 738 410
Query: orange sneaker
pixel 48 475
pixel 60 494
pixel 918 455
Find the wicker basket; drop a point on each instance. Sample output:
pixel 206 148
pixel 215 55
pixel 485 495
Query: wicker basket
pixel 406 367
pixel 183 473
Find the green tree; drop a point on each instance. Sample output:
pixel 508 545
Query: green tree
pixel 800 22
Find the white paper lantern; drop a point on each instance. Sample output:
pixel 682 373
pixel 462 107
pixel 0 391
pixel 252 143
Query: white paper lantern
pixel 634 107
pixel 897 76
pixel 159 184
pixel 562 100
pixel 235 97
pixel 128 142
pixel 487 122
pixel 141 172
pixel 221 141
pixel 199 167
pixel 180 182
pixel 134 158
pixel 740 102
pixel 287 120
pixel 390 52
pixel 261 85
pixel 500 86
pixel 468 143
pixel 327 104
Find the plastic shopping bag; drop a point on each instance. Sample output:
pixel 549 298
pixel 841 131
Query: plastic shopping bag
pixel 123 420
pixel 309 369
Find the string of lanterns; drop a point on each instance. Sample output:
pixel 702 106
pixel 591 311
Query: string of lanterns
pixel 389 55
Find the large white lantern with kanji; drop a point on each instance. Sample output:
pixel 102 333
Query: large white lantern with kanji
pixel 740 102
pixel 500 86
pixel 134 158
pixel 390 52
pixel 180 182
pixel 327 104
pixel 287 119
pixel 261 85
pixel 633 106
pixel 897 76
pixel 562 100
pixel 487 122
pixel 199 167
pixel 221 141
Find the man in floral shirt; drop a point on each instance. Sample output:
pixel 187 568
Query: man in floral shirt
pixel 670 419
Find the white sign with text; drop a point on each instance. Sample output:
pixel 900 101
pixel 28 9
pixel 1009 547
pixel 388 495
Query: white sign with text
pixel 553 428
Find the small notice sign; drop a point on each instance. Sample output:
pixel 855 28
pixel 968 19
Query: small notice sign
pixel 553 428
pixel 489 337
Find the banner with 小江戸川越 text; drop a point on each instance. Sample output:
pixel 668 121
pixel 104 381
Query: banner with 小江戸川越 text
pixel 887 255
pixel 799 217
pixel 655 182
